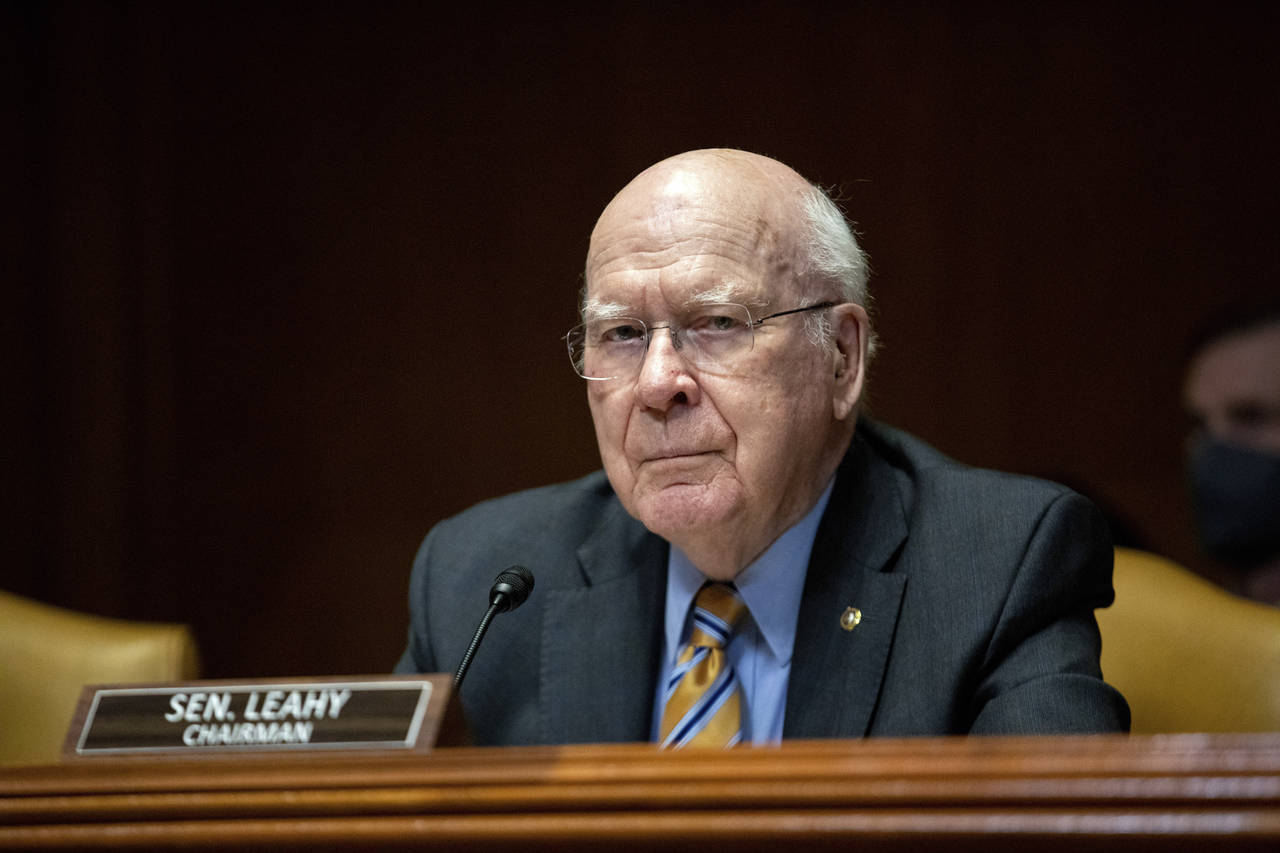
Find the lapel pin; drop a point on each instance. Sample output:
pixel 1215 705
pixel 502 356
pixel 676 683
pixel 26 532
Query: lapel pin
pixel 850 618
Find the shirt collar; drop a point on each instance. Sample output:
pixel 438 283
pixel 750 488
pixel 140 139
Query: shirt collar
pixel 770 586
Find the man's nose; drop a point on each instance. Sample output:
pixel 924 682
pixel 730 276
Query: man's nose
pixel 664 379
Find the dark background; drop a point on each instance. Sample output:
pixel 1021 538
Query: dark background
pixel 288 280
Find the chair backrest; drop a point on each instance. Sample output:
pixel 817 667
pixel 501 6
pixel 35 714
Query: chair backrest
pixel 47 655
pixel 1189 656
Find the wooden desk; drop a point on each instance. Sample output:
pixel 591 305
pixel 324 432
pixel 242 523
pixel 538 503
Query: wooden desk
pixel 1187 792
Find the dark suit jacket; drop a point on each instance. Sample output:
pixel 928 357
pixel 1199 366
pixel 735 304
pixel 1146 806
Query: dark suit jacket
pixel 976 589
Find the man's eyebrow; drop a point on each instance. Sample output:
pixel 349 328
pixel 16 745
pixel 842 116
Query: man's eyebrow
pixel 725 292
pixel 595 309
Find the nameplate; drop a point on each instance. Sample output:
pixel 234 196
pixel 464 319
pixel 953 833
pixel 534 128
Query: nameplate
pixel 379 713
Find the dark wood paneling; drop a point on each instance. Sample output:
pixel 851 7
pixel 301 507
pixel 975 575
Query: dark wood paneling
pixel 294 274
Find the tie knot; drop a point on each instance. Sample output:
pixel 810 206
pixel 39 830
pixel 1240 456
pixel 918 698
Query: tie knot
pixel 716 610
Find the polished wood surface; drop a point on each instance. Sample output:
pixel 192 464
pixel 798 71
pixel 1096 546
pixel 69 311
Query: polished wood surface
pixel 1079 793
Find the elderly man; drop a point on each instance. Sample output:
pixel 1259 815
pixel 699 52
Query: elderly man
pixel 756 562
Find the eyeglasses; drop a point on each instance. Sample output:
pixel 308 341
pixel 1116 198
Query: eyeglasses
pixel 712 336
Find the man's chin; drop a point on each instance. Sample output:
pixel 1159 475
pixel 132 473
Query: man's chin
pixel 683 510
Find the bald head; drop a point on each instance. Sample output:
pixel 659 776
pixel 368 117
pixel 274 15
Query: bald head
pixel 777 212
pixel 755 184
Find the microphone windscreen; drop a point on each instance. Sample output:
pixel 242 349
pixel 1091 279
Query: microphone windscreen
pixel 512 587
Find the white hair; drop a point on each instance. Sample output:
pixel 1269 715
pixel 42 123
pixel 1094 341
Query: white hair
pixel 831 252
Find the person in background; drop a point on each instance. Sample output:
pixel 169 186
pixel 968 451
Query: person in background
pixel 1232 394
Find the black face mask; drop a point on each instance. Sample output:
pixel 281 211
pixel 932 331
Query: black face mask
pixel 1236 494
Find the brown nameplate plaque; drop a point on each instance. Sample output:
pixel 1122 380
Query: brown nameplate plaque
pixel 289 714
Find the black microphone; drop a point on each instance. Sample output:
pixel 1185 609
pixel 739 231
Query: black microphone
pixel 509 591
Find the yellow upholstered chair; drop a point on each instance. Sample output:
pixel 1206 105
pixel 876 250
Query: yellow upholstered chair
pixel 48 654
pixel 1189 656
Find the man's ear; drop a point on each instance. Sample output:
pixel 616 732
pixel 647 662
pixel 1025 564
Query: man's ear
pixel 851 330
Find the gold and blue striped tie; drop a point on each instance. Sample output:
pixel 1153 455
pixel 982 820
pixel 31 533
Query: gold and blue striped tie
pixel 703 705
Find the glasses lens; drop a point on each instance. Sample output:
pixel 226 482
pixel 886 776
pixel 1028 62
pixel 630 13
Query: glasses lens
pixel 710 336
pixel 716 334
pixel 607 349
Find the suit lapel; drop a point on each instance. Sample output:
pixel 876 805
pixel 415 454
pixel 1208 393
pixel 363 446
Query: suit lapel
pixel 599 648
pixel 836 674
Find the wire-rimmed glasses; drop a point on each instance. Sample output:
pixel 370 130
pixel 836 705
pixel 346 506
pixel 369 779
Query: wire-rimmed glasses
pixel 710 336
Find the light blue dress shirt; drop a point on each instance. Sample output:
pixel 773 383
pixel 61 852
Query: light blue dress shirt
pixel 760 650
